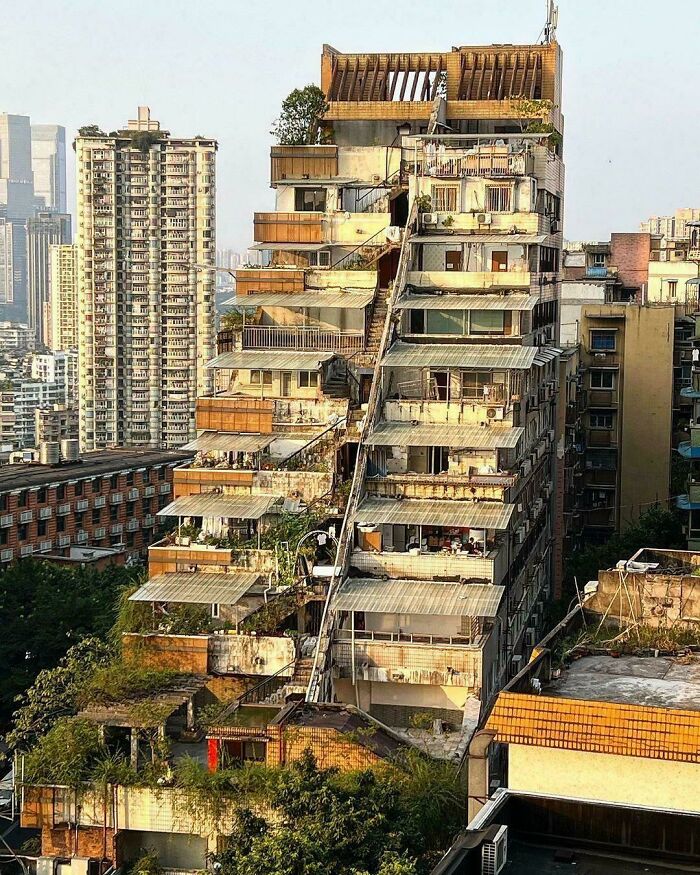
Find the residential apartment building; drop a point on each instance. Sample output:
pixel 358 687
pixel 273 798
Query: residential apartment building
pixel 626 354
pixel 106 499
pixel 56 423
pixel 44 230
pixel 29 395
pixel 49 167
pixel 16 337
pixel 63 297
pixel 145 245
pixel 60 368
pixel 671 227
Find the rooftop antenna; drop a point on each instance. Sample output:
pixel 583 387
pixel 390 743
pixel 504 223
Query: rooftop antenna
pixel 550 28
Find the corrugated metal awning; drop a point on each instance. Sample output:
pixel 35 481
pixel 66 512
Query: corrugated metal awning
pixel 547 354
pixel 230 442
pixel 462 514
pixel 252 359
pixel 194 588
pixel 209 504
pixel 290 247
pixel 468 302
pixel 459 355
pixel 419 597
pixel 405 434
pixel 346 300
pixel 465 237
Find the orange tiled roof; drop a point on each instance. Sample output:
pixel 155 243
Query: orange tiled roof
pixel 599 727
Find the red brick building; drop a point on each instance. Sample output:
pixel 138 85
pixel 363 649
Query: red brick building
pixel 109 498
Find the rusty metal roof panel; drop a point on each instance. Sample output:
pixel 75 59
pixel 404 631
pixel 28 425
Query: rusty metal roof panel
pixel 468 302
pixel 196 588
pixel 231 442
pixel 459 355
pixel 213 504
pixel 405 434
pixel 419 597
pixel 461 514
pixel 269 360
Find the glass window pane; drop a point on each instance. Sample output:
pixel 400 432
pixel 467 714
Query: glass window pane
pixel 486 321
pixel 445 321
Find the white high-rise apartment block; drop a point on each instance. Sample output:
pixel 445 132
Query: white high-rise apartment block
pixel 60 368
pixel 63 297
pixel 49 167
pixel 146 243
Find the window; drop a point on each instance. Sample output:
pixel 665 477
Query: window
pixel 41 495
pixel 261 378
pixel 114 481
pixel 215 611
pixel 22 498
pixel 445 321
pixel 60 492
pixel 96 485
pixel 60 524
pixel 605 460
pixel 22 532
pixel 672 288
pixel 322 258
pixel 416 321
pixel 114 513
pixel 600 419
pixel 484 386
pixel 96 516
pixel 486 322
pixel 498 198
pixel 598 259
pixel 444 198
pixel 602 379
pixel 310 200
pixel 41 528
pixel 130 478
pixel 161 472
pixel 308 379
pixel 603 339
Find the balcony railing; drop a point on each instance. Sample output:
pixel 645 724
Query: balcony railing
pixel 302 338
pixel 488 164
pixel 597 271
pixel 402 637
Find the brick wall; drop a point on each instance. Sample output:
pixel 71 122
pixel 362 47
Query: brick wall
pixel 64 841
pixel 186 653
pixel 629 253
pixel 130 498
pixel 330 748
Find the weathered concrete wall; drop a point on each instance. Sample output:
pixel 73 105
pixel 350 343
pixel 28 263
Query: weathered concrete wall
pixel 250 654
pixel 655 599
pixel 187 653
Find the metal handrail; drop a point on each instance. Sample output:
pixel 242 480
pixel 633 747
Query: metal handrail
pixel 359 246
pixel 246 697
pixel 357 485
pixel 313 441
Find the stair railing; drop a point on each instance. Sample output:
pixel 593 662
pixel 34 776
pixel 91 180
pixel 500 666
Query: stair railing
pixel 319 682
pixel 259 692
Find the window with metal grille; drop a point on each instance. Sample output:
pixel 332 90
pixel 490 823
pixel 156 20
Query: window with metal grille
pixel 499 198
pixel 444 198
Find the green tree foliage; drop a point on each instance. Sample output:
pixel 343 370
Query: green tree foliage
pixel 232 320
pixel 55 692
pixel 383 822
pixel 298 123
pixel 656 527
pixel 45 608
pixel 91 131
pixel 66 755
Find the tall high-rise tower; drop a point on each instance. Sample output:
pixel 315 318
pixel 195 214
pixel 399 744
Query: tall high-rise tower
pixel 49 167
pixel 146 228
pixel 63 294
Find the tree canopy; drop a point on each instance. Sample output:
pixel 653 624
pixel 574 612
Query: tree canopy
pixel 45 608
pixel 298 123
pixel 393 821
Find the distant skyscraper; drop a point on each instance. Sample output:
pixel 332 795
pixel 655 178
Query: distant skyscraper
pixel 146 223
pixel 63 297
pixel 43 231
pixel 16 206
pixel 49 167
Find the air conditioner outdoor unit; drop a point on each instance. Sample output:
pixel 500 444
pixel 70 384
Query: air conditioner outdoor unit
pixel 530 636
pixel 430 218
pixel 484 218
pixel 494 853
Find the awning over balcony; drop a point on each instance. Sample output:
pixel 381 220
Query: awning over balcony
pixel 459 355
pixel 409 512
pixel 419 597
pixel 459 237
pixel 468 302
pixel 547 354
pixel 208 504
pixel 291 247
pixel 346 300
pixel 193 588
pixel 268 360
pixel 230 442
pixel 405 434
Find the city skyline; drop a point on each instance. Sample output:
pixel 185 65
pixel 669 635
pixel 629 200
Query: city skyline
pixel 608 136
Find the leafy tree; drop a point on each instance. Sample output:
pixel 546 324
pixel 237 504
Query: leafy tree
pixel 298 123
pixel 365 823
pixel 45 608
pixel 54 694
pixel 91 131
pixel 231 321
pixel 656 527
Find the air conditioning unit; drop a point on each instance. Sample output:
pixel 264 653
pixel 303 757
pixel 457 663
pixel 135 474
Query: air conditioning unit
pixel 430 218
pixel 530 636
pixel 495 413
pixel 494 852
pixel 484 218
pixel 520 535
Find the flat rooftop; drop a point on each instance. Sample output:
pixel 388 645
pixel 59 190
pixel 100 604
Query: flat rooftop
pixel 658 682
pixel 98 463
pixel 526 859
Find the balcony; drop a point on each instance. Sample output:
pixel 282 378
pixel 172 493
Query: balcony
pixel 471 279
pixel 439 486
pixel 302 162
pixel 288 228
pixel 433 566
pixel 486 161
pixel 302 338
pixel 250 281
pixel 596 271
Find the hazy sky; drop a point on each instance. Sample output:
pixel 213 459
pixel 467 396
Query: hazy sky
pixel 220 68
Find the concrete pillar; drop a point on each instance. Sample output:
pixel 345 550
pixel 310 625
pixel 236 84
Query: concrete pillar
pixel 134 748
pixel 478 773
